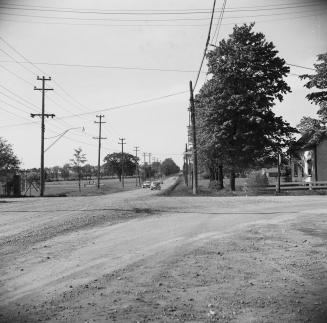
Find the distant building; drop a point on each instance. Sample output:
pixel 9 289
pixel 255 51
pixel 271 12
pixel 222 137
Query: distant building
pixel 309 162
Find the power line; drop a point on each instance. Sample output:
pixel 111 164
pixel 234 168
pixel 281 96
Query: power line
pixel 107 109
pixel 19 109
pixel 149 20
pixel 106 67
pixel 206 45
pixel 307 68
pixel 125 105
pixel 320 13
pixel 14 99
pixel 19 97
pixel 220 19
pixel 153 11
pixel 156 10
pixel 26 61
pixel 36 67
pixel 15 74
pixel 14 114
pixel 28 70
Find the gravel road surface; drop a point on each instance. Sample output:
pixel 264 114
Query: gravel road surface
pixel 60 255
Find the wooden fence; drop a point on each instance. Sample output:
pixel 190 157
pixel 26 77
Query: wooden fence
pixel 287 186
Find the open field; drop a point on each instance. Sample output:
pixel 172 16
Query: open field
pixel 136 256
pixel 88 187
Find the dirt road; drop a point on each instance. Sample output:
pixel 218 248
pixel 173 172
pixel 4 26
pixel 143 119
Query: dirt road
pixel 136 256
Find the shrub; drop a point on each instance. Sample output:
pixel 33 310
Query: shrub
pixel 255 182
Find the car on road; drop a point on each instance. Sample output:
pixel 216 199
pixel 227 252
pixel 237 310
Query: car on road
pixel 155 185
pixel 146 184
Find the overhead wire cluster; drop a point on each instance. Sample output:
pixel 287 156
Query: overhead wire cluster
pixel 63 95
pixel 152 17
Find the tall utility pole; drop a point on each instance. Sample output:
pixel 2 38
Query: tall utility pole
pixel 42 115
pixel 278 172
pixel 100 122
pixel 144 156
pixel 194 148
pixel 150 165
pixel 122 143
pixel 136 149
pixel 186 166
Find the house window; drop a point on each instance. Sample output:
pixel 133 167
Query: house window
pixel 309 162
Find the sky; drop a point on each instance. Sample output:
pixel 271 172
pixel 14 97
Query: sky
pixel 131 61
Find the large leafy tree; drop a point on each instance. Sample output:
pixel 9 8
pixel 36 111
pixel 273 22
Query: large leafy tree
pixel 169 167
pixel 8 159
pixel 113 163
pixel 318 81
pixel 234 107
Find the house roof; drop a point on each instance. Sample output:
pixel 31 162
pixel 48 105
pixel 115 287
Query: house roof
pixel 311 138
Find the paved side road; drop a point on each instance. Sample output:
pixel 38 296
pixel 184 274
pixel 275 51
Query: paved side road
pixel 50 246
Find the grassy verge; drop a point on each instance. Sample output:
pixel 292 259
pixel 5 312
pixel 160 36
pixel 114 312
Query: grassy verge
pixel 204 189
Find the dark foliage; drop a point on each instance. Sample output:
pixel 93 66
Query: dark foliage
pixel 237 126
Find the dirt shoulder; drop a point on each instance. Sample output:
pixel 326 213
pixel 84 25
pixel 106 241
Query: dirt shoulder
pixel 273 271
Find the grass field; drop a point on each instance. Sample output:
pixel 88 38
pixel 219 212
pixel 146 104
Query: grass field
pixel 88 187
pixel 204 189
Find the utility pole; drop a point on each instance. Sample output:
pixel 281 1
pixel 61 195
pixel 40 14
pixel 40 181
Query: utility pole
pixel 194 149
pixel 136 149
pixel 186 166
pixel 122 143
pixel 100 122
pixel 144 156
pixel 278 172
pixel 42 115
pixel 149 155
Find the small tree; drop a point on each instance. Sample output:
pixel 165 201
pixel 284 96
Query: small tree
pixel 8 160
pixel 77 163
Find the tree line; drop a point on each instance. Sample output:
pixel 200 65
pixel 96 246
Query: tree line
pixel 78 168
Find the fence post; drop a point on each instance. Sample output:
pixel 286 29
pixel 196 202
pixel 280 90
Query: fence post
pixel 310 186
